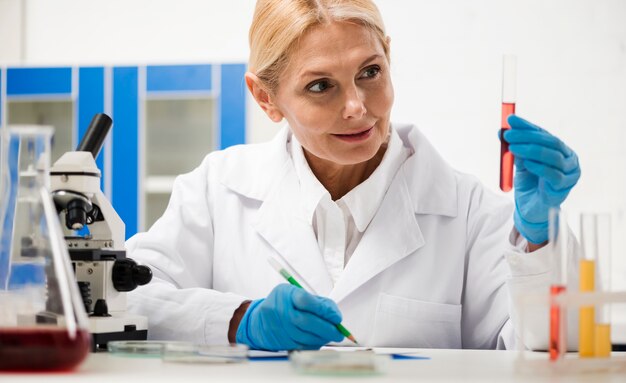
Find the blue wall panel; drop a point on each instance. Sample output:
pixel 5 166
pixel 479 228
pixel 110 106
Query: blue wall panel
pixel 90 102
pixel 125 111
pixel 232 105
pixel 125 146
pixel 39 81
pixel 178 78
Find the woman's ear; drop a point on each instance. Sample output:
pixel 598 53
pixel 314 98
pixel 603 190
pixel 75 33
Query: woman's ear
pixel 262 97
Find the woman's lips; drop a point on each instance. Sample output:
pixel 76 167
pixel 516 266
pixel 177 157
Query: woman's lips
pixel 356 137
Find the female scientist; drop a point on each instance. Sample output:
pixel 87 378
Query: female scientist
pixel 382 233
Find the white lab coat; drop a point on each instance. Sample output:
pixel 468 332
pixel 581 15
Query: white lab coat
pixel 434 268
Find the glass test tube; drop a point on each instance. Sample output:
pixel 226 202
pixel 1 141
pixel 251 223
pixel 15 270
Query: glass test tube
pixel 587 284
pixel 602 244
pixel 558 237
pixel 509 91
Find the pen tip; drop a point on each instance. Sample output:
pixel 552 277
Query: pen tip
pixel 352 339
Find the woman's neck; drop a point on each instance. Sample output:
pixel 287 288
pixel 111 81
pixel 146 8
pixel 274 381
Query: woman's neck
pixel 340 179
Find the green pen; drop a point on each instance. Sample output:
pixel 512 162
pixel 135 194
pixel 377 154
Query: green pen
pixel 293 282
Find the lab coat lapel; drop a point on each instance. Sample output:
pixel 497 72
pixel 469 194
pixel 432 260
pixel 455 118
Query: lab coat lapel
pixel 265 172
pixel 291 236
pixel 392 234
pixel 424 185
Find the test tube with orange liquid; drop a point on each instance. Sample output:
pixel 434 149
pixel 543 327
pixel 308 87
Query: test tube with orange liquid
pixel 509 95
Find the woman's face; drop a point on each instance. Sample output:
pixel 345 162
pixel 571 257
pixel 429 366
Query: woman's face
pixel 336 94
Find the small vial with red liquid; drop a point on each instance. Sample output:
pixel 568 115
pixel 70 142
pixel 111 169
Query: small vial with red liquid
pixel 556 323
pixel 509 74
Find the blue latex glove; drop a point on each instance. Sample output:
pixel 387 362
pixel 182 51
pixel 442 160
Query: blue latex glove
pixel 290 319
pixel 546 171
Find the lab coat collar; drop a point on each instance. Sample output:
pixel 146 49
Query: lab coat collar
pixel 431 182
pixel 365 200
pixel 256 170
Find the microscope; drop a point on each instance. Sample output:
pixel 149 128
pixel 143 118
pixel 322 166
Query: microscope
pixel 94 234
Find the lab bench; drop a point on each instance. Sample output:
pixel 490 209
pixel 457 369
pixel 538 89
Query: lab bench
pixel 442 366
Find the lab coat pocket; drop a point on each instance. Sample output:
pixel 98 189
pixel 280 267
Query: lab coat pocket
pixel 405 322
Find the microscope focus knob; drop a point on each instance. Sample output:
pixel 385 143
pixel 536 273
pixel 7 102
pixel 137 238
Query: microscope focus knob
pixel 142 274
pixel 76 216
pixel 100 309
pixel 127 275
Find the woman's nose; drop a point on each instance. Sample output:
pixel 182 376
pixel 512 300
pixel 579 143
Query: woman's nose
pixel 354 107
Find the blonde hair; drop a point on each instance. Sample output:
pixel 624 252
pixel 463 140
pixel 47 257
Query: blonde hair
pixel 277 26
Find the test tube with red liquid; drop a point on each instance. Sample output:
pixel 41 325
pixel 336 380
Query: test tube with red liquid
pixel 509 90
pixel 558 236
pixel 556 323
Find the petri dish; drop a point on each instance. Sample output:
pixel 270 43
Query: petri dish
pixel 332 362
pixel 201 353
pixel 138 348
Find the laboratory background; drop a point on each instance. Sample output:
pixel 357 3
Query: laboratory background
pixel 446 67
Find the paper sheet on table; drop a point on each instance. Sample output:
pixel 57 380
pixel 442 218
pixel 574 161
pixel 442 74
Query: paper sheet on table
pixel 396 352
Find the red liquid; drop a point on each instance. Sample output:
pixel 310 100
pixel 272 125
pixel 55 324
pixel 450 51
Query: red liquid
pixel 506 158
pixel 555 323
pixel 41 349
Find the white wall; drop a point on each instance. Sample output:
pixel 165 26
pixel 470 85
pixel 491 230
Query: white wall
pixel 137 31
pixel 446 66
pixel 446 59
pixel 10 31
pixel 571 80
pixel 141 32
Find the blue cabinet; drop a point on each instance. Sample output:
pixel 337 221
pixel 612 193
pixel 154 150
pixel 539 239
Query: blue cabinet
pixel 166 118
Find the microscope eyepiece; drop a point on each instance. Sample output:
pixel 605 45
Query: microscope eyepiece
pixel 96 133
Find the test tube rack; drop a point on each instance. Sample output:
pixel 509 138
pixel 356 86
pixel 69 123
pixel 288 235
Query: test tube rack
pixel 538 363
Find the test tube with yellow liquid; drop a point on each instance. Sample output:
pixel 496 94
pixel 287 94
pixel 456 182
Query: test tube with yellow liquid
pixel 587 284
pixel 594 276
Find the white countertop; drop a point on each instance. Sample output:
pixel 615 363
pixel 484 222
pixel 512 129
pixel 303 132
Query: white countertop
pixel 443 366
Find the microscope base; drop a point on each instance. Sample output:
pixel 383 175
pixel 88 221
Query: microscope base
pixel 118 326
pixel 100 341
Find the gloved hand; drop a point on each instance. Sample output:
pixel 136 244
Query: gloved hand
pixel 289 319
pixel 546 171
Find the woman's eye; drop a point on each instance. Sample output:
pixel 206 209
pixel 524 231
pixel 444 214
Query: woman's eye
pixel 319 87
pixel 371 72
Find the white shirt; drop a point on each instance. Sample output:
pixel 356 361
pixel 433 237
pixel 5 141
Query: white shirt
pixel 339 225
